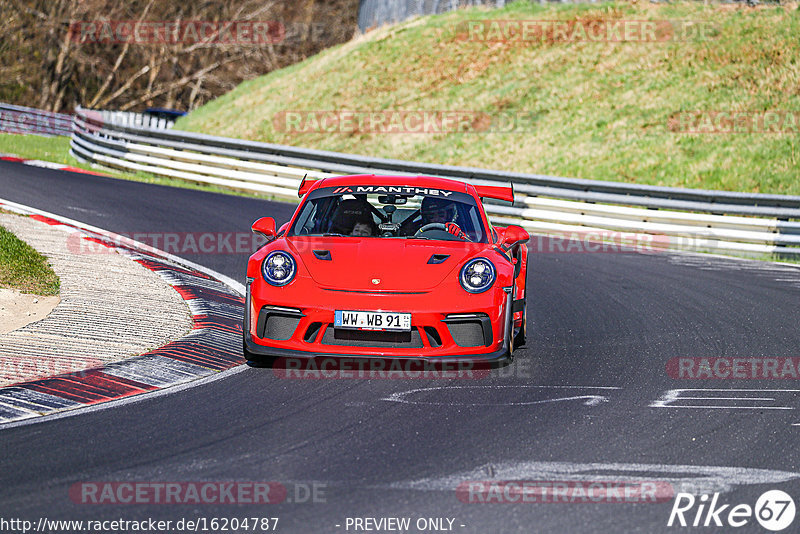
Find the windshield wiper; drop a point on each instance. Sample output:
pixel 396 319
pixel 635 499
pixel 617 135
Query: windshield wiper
pixel 332 235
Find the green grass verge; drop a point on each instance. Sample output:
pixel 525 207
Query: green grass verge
pixel 602 109
pixel 23 268
pixel 55 149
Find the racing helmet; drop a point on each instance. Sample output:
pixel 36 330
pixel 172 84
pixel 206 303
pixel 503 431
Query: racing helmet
pixel 434 209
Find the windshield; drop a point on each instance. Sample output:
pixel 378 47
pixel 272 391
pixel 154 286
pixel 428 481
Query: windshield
pixel 417 213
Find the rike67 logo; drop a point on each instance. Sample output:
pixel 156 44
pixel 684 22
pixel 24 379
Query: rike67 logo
pixel 774 510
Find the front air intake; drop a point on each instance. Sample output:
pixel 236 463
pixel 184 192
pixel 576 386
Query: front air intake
pixel 470 330
pixel 277 324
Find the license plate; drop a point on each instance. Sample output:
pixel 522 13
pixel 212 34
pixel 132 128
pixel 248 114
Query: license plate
pixel 369 320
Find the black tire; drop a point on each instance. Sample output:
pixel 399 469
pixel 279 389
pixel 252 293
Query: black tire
pixel 510 339
pixel 519 337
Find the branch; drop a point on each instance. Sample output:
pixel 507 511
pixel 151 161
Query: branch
pixel 179 83
pixel 121 57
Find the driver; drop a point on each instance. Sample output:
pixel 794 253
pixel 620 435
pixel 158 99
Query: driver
pixel 437 210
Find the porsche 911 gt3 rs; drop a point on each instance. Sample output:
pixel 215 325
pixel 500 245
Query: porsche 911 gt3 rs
pixel 388 267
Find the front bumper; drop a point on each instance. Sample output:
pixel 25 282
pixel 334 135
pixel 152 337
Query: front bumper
pixel 431 330
pixel 497 357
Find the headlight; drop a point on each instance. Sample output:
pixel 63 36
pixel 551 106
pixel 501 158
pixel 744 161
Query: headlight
pixel 278 268
pixel 477 275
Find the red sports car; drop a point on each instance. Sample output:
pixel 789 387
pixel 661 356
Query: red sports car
pixel 388 267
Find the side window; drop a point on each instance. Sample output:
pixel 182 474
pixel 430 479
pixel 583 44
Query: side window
pixel 492 232
pixel 472 224
pixel 313 216
pixel 305 221
pixel 327 207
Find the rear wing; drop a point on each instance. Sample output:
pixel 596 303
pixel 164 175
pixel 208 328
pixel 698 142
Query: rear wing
pixel 498 192
pixel 305 185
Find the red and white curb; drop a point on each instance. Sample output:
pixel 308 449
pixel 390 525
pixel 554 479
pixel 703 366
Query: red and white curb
pixel 214 345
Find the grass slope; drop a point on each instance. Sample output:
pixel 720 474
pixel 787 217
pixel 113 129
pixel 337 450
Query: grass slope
pixel 602 109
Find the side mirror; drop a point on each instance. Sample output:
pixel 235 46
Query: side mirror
pixel 513 235
pixel 264 226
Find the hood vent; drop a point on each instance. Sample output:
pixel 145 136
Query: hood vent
pixel 438 258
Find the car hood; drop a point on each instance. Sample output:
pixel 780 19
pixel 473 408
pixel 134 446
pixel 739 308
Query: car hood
pixel 396 264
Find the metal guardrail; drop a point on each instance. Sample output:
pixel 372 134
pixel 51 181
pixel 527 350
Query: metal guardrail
pixel 22 120
pixel 719 221
pixel 373 13
pixel 138 120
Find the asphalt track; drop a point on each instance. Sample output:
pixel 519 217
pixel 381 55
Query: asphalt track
pixel 577 404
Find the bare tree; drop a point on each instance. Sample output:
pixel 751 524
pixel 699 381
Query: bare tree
pixel 46 62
